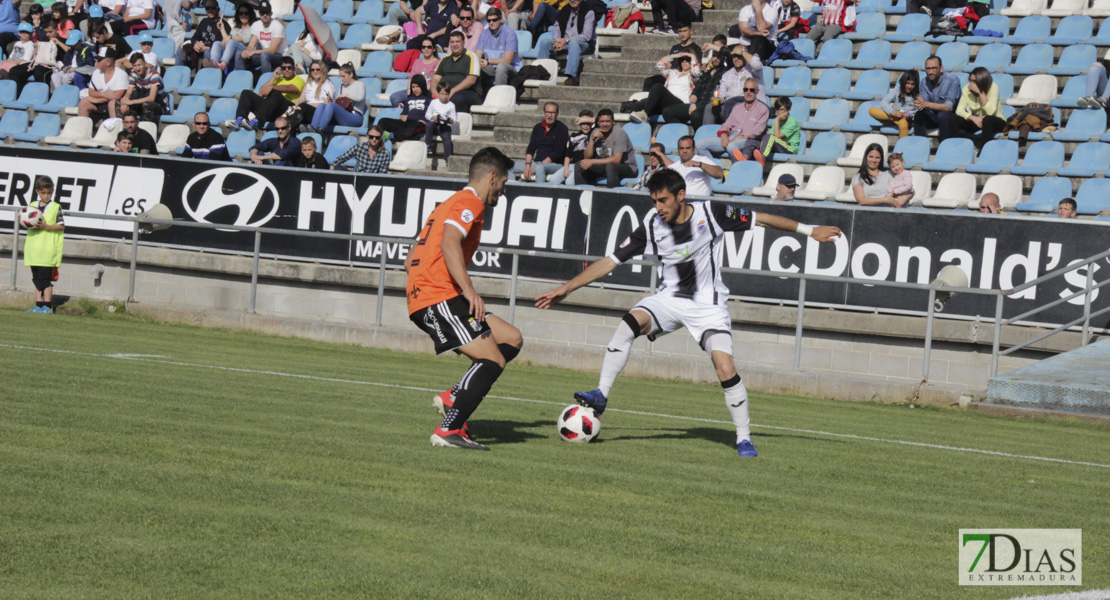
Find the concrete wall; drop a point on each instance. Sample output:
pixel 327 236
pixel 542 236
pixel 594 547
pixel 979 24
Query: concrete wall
pixel 845 355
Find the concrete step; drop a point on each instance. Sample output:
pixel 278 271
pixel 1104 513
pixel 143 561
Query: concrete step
pixel 560 94
pixel 1077 381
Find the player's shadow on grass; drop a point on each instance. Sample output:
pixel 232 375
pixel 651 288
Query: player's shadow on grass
pixel 725 437
pixel 507 432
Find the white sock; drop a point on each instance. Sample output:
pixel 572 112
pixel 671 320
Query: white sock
pixel 736 398
pixel 616 356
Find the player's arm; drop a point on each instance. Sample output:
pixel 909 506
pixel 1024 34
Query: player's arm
pixel 451 247
pixel 597 270
pixel 821 233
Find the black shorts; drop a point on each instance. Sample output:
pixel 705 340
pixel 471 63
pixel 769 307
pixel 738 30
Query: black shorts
pixel 42 277
pixel 449 324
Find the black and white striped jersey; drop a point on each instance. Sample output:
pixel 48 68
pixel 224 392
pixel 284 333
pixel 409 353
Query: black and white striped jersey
pixel 688 255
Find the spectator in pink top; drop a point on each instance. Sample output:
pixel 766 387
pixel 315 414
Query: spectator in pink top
pixel 424 65
pixel 470 27
pixel 742 130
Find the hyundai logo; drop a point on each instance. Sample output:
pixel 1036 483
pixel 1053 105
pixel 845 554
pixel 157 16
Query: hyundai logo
pixel 229 196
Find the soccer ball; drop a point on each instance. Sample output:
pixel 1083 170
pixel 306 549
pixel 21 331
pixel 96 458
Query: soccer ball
pixel 578 424
pixel 29 216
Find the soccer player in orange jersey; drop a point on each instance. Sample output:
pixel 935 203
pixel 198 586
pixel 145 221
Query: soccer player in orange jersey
pixel 443 303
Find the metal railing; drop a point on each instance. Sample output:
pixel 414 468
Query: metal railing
pixel 803 278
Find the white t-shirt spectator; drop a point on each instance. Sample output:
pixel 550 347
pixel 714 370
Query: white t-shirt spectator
pixel 119 81
pixel 150 58
pixel 266 35
pixel 770 14
pixel 110 5
pixel 314 93
pixel 698 182
pixel 138 7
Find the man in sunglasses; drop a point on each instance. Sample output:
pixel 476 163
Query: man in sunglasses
pixel 370 156
pixel 267 42
pixel 497 50
pixel 205 142
pixel 272 101
pixel 470 27
pixel 742 130
pixel 281 150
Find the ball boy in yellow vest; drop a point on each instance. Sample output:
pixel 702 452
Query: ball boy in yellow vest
pixel 42 251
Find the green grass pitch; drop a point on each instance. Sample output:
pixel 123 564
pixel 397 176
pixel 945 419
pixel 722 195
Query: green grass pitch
pixel 147 460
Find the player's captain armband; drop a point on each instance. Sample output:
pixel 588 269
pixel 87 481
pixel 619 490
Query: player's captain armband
pixel 806 230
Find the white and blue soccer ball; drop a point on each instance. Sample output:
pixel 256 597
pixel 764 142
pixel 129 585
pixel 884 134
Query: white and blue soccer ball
pixel 578 424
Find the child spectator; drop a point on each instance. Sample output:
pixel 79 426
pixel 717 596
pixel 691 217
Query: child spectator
pixel 440 115
pixel 61 19
pixel 125 142
pixel 897 107
pixel 309 158
pixel 654 165
pixel 785 133
pixel 43 249
pixel 146 45
pixel 901 182
pixel 576 148
pixel 22 52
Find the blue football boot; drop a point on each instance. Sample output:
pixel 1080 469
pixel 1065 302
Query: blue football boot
pixel 595 400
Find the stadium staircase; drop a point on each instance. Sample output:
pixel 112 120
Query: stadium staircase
pixel 1075 381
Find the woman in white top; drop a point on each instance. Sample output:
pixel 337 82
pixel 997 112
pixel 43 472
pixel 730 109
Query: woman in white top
pixel 317 90
pixel 235 42
pixel 137 16
pixel 333 113
pixel 677 89
pixel 871 185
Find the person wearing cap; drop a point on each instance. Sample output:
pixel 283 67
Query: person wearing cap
pixel 23 51
pixel 93 22
pixel 9 23
pixel 109 84
pixel 42 64
pixel 784 189
pixel 272 101
pixel 263 52
pixel 138 16
pixel 205 48
pixel 146 48
pixel 77 64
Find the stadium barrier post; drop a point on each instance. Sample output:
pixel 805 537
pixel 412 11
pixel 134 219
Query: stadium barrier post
pixel 15 249
pixel 381 282
pixel 512 289
pixel 928 335
pixel 1087 303
pixel 134 260
pixel 798 324
pixel 997 333
pixel 254 269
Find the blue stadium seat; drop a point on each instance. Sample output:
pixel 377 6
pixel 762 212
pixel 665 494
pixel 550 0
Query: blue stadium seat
pixel 132 40
pixel 234 84
pixel 997 156
pixel 1076 29
pixel 1030 30
pixel 176 77
pixel 954 56
pixel 994 57
pixel 376 63
pixel 1075 88
pixel 912 27
pixel 951 154
pixel 803 141
pixel 207 81
pixel 189 106
pixel 368 12
pixel 871 85
pixel 1093 196
pixel 534 51
pixel 1087 160
pixel 915 150
pixel 799 109
pixel 338 145
pixel 163 48
pixel 13 122
pixel 1041 158
pixel 360 130
pixel 338 10
pixel 999 23
pixel 640 135
pixel 899 8
pixel 64 97
pixel 1046 194
pixel 804 46
pixel 831 114
pixel 668 135
pixel 827 146
pixel 742 178
pixel 239 143
pixel 873 54
pixel 869 26
pixel 834 53
pixel 394 86
pixel 223 109
pixel 833 83
pixel 910 56
pixel 639 169
pixel 1005 83
pixel 872 6
pixel 1103 36
pixel 296 14
pixel 356 35
pixel 1075 60
pixel 863 122
pixel 1082 125
pixel 792 82
pixel 523 40
pixel 33 93
pixel 44 125
pixel 387 113
pixel 1034 58
pixel 294 30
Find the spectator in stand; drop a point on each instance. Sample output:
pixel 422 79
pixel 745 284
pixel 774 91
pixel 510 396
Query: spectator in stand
pixel 77 65
pixel 573 32
pixel 470 27
pixel 142 142
pixel 1096 85
pixel 757 27
pixel 304 50
pixel 318 91
pixel 653 166
pixel 547 147
pixel 837 17
pixel 205 49
pixel 35 16
pixel 145 92
pixel 543 16
pixel 414 109
pixel 991 203
pixel 684 46
pixel 702 96
pixel 439 118
pixel 9 23
pixel 371 155
pixel 280 150
pixel 309 158
pixel 41 63
pixel 871 185
pixel 23 52
pixel 276 97
pixel 402 12
pixel 61 19
pixel 124 142
pixel 785 188
pixel 789 15
pixel 440 18
pixel 425 65
pixel 266 45
pixel 119 46
pixel 109 84
pixel 341 112
pixel 609 154
pixel 901 182
pixel 138 16
pixel 678 12
pixel 676 91
pixel 205 141
pixel 113 10
pixel 698 171
pixel 177 19
pixel 745 66
pixel 1066 209
pixel 93 22
pixel 742 131
pixel 497 51
pixel 146 48
pixel 460 71
pixel 939 93
pixel 979 108
pixel 236 40
pixel 898 106
pixel 576 148
pixel 785 133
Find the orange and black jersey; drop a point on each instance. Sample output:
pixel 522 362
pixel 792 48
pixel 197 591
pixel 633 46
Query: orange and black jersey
pixel 429 281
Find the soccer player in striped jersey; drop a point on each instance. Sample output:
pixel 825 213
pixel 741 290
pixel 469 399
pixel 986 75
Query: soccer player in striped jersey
pixel 685 242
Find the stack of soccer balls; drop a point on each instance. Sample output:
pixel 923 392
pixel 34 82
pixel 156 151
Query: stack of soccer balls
pixel 578 424
pixel 30 217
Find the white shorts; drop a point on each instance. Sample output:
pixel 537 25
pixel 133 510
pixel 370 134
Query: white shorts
pixel 701 320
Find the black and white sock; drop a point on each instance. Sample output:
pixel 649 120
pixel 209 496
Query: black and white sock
pixel 470 391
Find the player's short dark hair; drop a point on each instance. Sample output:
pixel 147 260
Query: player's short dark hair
pixel 685 137
pixel 288 60
pixel 657 146
pixel 493 12
pixel 42 182
pixel 457 34
pixel 666 180
pixel 940 63
pixel 136 56
pixel 720 38
pixel 125 135
pixel 489 159
pixel 585 112
pixel 1069 202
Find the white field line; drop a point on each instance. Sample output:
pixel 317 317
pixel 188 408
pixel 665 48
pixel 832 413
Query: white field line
pixel 1085 595
pixel 143 358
